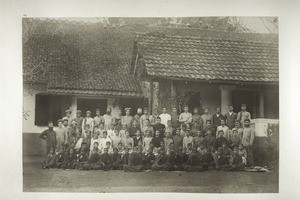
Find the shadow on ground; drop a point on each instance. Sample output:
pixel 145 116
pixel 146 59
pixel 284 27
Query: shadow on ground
pixel 36 179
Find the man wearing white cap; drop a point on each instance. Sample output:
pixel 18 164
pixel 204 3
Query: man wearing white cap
pixel 88 120
pixel 68 117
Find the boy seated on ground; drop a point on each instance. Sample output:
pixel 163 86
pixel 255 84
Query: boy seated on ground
pixel 135 162
pixel 49 160
pixel 182 153
pixel 149 159
pixel 109 148
pixel 82 159
pixel 174 160
pixel 208 162
pixel 116 159
pixel 120 148
pixel 93 160
pixel 59 158
pixel 199 139
pixel 221 139
pixel 236 163
pixel 194 162
pixel 201 149
pixel 69 159
pixel 125 157
pixel 105 160
pixel 226 151
pixel 221 161
pixel 189 148
pixel 137 138
pixel 160 162
pixel 235 139
pixel 243 152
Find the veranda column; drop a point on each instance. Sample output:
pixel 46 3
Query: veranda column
pixel 155 95
pixel 226 92
pixel 261 105
pixel 173 96
pixel 73 106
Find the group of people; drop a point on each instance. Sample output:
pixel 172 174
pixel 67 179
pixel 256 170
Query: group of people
pixel 190 142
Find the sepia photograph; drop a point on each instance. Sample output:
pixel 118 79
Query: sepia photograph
pixel 160 104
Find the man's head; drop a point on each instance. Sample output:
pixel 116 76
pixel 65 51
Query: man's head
pixel 108 144
pixel 139 149
pixel 222 122
pixel 235 133
pixel 243 107
pixel 127 134
pixel 50 125
pixel 235 150
pixel 140 143
pixel 230 108
pixel 164 110
pixel 237 124
pixel 208 123
pixel 139 111
pixel 241 146
pixel 178 131
pixel 87 127
pixel 246 122
pixel 186 109
pixel 120 145
pixel 209 132
pixel 138 133
pixel 126 150
pixel 206 111
pixel 68 113
pixel 124 126
pixel 96 134
pixel 119 112
pixel 221 133
pixel 155 111
pixel 157 134
pixel 59 123
pixel 168 134
pixel 134 123
pixel 127 111
pixel 189 145
pixel 224 145
pixel 220 151
pixel 174 110
pixel 52 150
pixel 158 120
pixel 98 112
pixel 147 122
pixel 104 134
pixel 108 111
pixel 65 122
pixel 218 110
pixel 187 132
pixel 146 111
pixel 200 134
pixel 105 151
pixel 78 135
pixel 169 123
pixel 147 133
pixel 88 113
pixel 96 144
pixel 115 150
pixel 196 110
pixel 78 113
pixel 101 126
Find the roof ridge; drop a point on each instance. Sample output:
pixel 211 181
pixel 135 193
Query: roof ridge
pixel 162 35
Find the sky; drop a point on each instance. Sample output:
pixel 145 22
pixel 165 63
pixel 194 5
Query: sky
pixel 254 23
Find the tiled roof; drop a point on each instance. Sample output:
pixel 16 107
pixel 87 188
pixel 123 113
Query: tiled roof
pixel 81 59
pixel 198 58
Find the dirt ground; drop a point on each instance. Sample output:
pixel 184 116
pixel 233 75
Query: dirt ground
pixel 36 179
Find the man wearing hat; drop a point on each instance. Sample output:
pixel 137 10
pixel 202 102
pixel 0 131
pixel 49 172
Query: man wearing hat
pixel 127 119
pixel 107 119
pixel 138 116
pixel 88 120
pixel 61 136
pixel 97 119
pixel 78 119
pixel 68 117
pixel 144 118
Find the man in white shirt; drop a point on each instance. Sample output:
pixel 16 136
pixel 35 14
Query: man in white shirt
pixel 165 117
pixel 104 140
pixel 186 117
pixel 224 128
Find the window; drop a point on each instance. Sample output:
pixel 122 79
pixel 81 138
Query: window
pixel 48 108
pixel 132 103
pixel 91 105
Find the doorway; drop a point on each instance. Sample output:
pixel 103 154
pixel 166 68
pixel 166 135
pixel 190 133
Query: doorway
pixel 91 105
